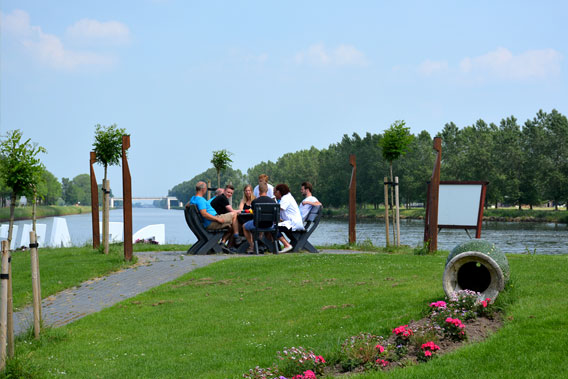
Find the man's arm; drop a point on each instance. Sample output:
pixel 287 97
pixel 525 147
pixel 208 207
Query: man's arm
pixel 230 209
pixel 314 203
pixel 206 215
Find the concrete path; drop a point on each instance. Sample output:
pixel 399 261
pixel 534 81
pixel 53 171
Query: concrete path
pixel 92 296
pixel 154 268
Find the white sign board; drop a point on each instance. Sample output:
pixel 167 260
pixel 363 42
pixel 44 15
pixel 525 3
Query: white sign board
pixel 458 204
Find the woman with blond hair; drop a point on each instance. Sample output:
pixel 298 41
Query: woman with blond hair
pixel 247 199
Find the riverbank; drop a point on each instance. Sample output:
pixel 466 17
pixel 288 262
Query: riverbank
pixel 25 213
pixel 501 214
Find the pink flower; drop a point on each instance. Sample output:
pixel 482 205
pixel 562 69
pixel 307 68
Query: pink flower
pixel 428 353
pixel 319 359
pixel 439 304
pixel 402 330
pixel 309 374
pixel 382 362
pixel 380 348
pixel 430 345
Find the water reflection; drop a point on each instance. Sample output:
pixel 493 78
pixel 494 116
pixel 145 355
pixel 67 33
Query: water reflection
pixel 509 236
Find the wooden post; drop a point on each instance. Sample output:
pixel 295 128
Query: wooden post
pixel 95 204
pixel 386 183
pixel 208 192
pixel 434 191
pixel 10 319
pixel 481 206
pixel 35 283
pixel 106 206
pixel 397 211
pixel 352 199
pixel 4 303
pixel 126 200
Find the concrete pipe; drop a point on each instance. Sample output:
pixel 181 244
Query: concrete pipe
pixel 478 266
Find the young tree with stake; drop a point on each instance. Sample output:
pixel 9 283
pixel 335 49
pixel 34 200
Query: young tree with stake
pixel 221 160
pixel 108 150
pixel 395 143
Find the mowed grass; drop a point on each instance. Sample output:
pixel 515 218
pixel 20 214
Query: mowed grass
pixel 221 320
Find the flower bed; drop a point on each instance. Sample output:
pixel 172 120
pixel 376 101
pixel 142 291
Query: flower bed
pixel 464 316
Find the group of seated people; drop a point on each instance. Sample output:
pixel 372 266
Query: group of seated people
pixel 217 213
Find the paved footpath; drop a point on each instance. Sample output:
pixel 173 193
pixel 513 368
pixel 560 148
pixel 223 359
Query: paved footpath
pixel 154 268
pixel 96 294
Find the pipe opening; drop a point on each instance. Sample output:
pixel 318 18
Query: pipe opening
pixel 474 276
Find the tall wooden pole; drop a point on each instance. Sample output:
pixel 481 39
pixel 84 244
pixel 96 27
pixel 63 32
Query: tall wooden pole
pixel 386 183
pixel 10 319
pixel 106 206
pixel 95 204
pixel 397 211
pixel 4 303
pixel 127 200
pixel 35 283
pixel 352 199
pixel 434 191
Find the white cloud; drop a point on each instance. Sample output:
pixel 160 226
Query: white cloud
pixel 244 56
pixel 502 64
pixel 48 48
pixel 109 32
pixel 342 55
pixel 429 67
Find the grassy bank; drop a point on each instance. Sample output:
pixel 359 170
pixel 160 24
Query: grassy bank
pixel 25 213
pixel 501 214
pixel 221 320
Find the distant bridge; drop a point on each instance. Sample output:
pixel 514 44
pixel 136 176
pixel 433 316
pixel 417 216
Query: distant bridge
pixel 168 199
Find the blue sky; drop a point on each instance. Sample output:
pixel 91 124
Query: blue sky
pixel 261 79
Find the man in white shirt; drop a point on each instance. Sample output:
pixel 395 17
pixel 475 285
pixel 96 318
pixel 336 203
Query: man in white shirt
pixel 309 200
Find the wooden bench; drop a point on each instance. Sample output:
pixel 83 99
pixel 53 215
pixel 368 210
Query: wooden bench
pixel 299 238
pixel 207 240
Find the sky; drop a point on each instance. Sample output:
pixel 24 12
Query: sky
pixel 264 78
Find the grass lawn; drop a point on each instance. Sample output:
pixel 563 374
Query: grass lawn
pixel 221 320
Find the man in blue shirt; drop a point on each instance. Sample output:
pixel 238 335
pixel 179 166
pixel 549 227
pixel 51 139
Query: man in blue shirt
pixel 211 220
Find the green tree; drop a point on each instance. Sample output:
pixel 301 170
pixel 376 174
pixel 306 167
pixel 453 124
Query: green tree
pixel 221 160
pixel 19 168
pixel 556 160
pixel 108 151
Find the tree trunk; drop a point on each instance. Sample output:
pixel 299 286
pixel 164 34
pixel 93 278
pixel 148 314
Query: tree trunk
pixel 392 205
pixel 34 211
pixel 11 225
pixel 105 212
pixel 218 179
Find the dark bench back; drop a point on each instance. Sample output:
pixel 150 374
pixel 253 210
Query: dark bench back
pixel 193 219
pixel 313 218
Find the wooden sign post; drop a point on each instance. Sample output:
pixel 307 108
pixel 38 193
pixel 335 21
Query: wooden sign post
pixel 127 200
pixel 431 217
pixel 95 204
pixel 386 183
pixel 352 199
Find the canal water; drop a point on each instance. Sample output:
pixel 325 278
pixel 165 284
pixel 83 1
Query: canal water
pixel 520 238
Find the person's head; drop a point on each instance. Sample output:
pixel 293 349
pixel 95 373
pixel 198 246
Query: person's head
pixel 263 178
pixel 200 188
pixel 247 192
pixel 281 190
pixel 229 190
pixel 262 188
pixel 306 189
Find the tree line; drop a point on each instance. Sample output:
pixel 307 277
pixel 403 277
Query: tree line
pixel 524 164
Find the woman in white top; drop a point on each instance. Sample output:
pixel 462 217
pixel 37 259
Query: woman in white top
pixel 289 213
